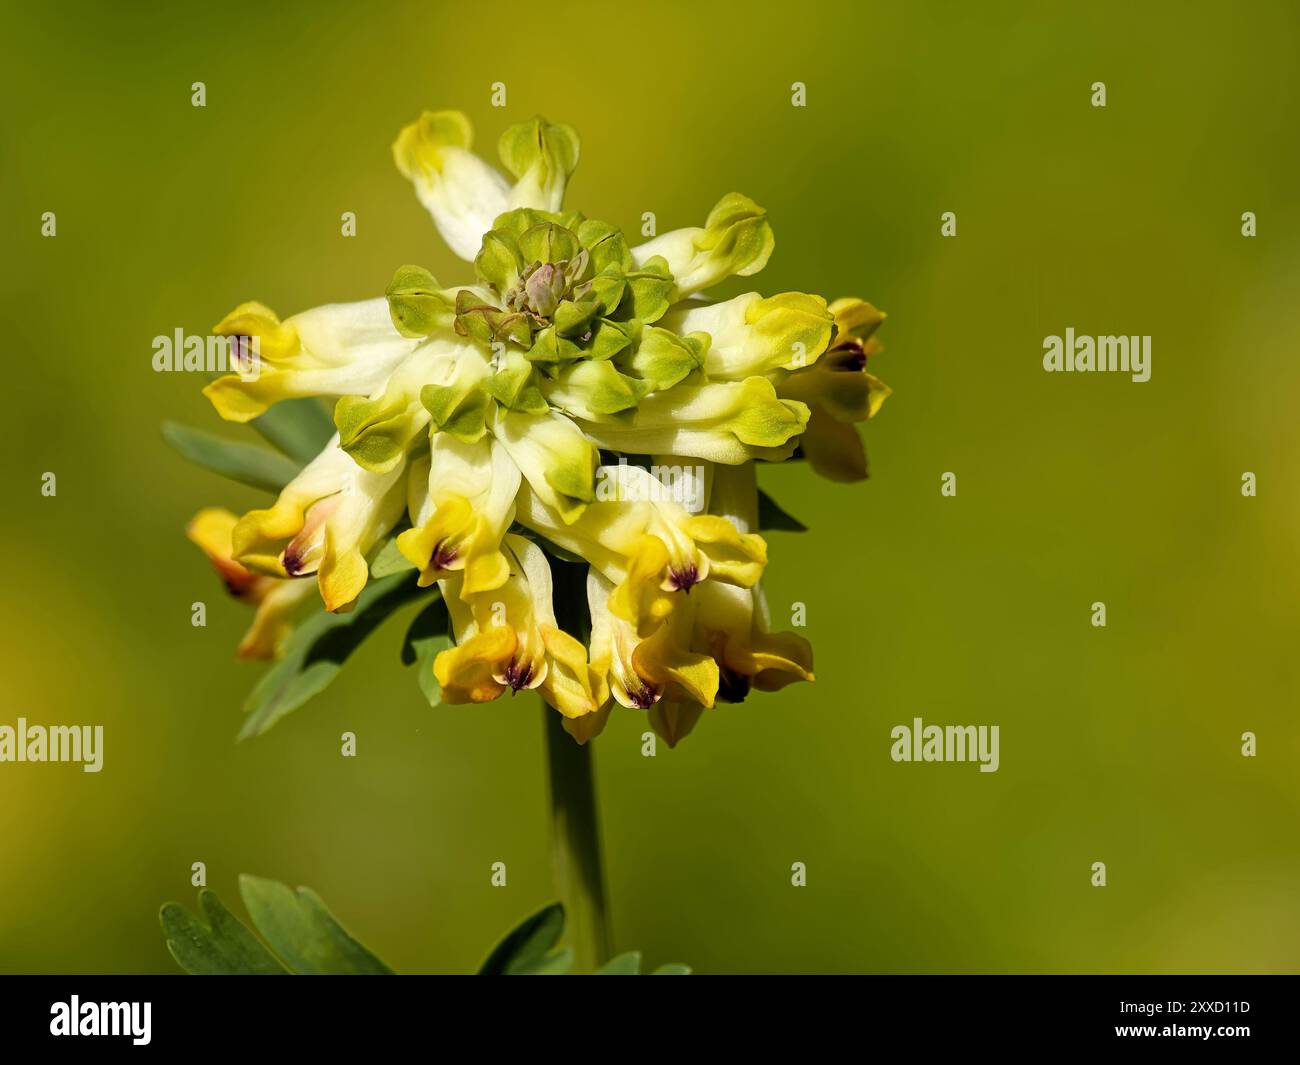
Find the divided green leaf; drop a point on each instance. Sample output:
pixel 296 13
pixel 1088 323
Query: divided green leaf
pixel 302 931
pixel 296 924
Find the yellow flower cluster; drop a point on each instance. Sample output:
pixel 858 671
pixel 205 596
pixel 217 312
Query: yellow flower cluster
pixel 579 399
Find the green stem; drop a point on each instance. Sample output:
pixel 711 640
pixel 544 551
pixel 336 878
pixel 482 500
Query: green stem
pixel 579 874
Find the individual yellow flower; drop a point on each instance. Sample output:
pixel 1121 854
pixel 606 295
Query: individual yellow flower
pixel 642 670
pixel 751 335
pixel 324 522
pixel 508 639
pixel 337 350
pixel 464 194
pixel 276 601
pixel 736 240
pixel 649 545
pixel 731 623
pixel 725 421
pixel 839 392
pixel 461 520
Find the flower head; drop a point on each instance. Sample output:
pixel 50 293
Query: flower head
pixel 531 413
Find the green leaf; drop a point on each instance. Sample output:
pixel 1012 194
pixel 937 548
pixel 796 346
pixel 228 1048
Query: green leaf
pixel 245 463
pixel 556 963
pixel 316 651
pixel 427 636
pixel 300 928
pixel 307 939
pixel 299 427
pixel 389 560
pixel 221 946
pixel 771 516
pixel 528 946
pixel 554 550
pixel 628 964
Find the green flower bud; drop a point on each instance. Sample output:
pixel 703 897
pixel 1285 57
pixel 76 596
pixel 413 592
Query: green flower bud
pixel 543 289
pixel 541 155
pixel 513 386
pixel 663 359
pixel 548 243
pixel 649 292
pixel 499 261
pixel 736 239
pixel 416 303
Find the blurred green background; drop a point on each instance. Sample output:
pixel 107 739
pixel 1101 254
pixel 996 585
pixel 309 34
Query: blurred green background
pixel 1119 745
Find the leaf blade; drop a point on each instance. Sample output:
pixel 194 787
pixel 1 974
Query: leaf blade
pixel 556 963
pixel 318 649
pixel 389 560
pixel 300 929
pixel 247 464
pixel 628 964
pixel 527 944
pixel 772 517
pixel 221 946
pixel 428 635
pixel 299 427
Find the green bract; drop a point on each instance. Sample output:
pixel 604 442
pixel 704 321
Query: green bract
pixel 563 311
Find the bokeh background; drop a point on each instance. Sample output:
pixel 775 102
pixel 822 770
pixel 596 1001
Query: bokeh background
pixel 1119 745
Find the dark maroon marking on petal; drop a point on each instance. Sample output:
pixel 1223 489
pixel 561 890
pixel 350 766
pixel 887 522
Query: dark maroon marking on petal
pixel 518 676
pixel 240 347
pixel 643 696
pixel 444 556
pixel 851 357
pixel 683 580
pixel 732 686
pixel 293 564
